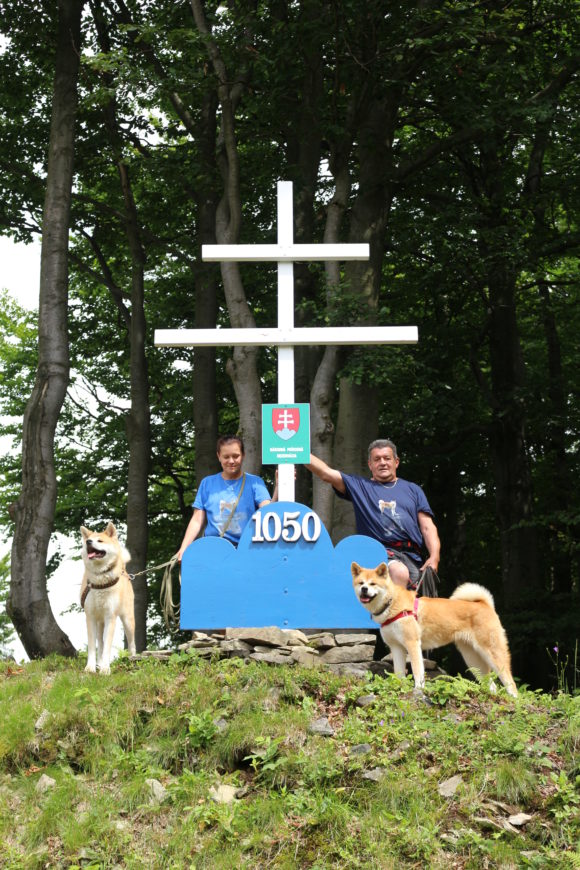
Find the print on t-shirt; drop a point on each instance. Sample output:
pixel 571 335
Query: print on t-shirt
pixel 392 521
pixel 226 508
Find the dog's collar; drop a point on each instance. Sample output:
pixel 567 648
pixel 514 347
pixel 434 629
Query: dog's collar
pixel 400 615
pixel 377 616
pixel 90 586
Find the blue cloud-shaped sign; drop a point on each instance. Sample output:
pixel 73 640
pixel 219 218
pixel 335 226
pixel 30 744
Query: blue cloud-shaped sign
pixel 285 572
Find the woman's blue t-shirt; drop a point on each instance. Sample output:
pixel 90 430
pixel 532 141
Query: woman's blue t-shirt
pixel 217 497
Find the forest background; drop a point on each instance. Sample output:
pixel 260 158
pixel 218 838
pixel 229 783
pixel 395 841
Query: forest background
pixel 444 134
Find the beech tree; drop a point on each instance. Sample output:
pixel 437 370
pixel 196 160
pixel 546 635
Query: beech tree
pixel 28 604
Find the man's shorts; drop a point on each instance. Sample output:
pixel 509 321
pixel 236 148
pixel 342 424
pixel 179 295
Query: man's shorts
pixel 413 566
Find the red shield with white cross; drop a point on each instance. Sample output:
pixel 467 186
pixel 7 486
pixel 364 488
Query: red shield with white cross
pixel 285 422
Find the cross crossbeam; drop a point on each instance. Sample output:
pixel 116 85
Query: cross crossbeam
pixel 285 337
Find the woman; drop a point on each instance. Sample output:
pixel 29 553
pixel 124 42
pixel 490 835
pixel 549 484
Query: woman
pixel 226 501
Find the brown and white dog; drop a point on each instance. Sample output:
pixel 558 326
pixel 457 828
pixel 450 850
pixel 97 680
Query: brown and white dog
pixel 410 624
pixel 106 593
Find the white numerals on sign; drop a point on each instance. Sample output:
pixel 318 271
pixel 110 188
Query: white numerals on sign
pixel 269 527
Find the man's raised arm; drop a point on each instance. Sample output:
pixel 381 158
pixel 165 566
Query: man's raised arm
pixel 326 473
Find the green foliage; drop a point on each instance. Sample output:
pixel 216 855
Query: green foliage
pixel 476 148
pixel 301 800
pixel 6 630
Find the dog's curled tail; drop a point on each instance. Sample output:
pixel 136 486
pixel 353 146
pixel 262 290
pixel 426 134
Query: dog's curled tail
pixel 474 592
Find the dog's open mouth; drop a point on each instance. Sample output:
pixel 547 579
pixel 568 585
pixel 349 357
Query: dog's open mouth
pixel 93 553
pixel 365 596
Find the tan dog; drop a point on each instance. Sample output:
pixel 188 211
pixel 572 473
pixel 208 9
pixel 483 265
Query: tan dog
pixel 106 593
pixel 410 624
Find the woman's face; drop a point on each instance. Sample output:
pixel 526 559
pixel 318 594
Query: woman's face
pixel 230 458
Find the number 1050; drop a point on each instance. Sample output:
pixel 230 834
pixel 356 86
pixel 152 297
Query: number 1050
pixel 270 527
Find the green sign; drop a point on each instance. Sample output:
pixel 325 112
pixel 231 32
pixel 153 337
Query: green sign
pixel 285 434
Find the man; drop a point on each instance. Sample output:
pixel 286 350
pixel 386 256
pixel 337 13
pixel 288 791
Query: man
pixel 391 510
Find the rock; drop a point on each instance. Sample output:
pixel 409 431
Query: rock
pixel 321 727
pixel 235 648
pixel 358 653
pixel 272 658
pixel 352 639
pixel 381 668
pixel 157 791
pixel 45 783
pixel 324 640
pixel 223 794
pixel 269 636
pixel 375 775
pixel 295 637
pixel 519 819
pixel 450 786
pixel 346 669
pixel 283 651
pixel 360 749
pixel 304 657
pixel 42 720
pixel 220 724
pixel 204 652
pixel 366 700
pixel 400 750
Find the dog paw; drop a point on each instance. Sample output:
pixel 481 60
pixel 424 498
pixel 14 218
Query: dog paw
pixel 90 668
pixel 104 669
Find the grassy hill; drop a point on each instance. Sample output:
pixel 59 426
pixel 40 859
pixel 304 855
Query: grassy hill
pixel 223 764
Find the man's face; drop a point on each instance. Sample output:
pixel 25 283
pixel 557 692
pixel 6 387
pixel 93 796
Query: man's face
pixel 231 458
pixel 383 465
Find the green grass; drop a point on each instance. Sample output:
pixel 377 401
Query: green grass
pixel 303 801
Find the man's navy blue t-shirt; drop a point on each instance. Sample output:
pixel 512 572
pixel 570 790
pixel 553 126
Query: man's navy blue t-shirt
pixel 386 512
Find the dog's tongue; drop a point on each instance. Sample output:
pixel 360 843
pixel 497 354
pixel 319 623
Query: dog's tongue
pixel 92 554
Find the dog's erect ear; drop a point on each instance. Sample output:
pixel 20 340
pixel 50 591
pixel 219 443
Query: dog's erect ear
pixel 382 569
pixel 111 531
pixel 85 532
pixel 355 569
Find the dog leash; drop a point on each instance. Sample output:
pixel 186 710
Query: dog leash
pixel 169 609
pixel 430 585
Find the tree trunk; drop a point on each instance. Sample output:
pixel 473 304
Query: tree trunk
pixel 28 604
pixel 356 427
pixel 242 366
pixel 358 415
pixel 205 415
pixel 138 418
pixel 560 491
pixel 520 569
pixel 323 389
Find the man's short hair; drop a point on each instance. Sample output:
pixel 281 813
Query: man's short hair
pixel 228 439
pixel 380 443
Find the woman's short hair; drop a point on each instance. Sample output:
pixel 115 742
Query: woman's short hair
pixel 228 439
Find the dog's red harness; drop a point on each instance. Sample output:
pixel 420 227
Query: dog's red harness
pixel 400 615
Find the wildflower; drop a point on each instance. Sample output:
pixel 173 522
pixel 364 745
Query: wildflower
pixel 556 650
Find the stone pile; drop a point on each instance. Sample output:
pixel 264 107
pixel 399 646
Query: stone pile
pixel 343 652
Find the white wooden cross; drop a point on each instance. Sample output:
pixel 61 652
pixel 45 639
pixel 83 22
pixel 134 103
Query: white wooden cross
pixel 285 336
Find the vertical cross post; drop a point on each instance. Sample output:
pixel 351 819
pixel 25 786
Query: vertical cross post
pixel 285 214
